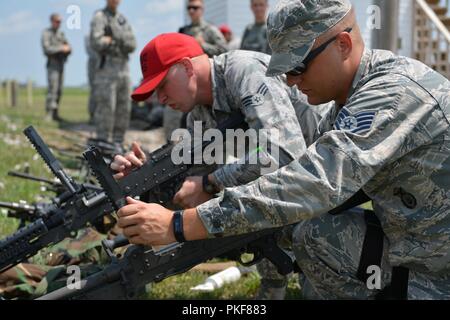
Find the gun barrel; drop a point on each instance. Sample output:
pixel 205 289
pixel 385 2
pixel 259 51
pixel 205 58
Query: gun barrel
pixel 17 206
pixel 33 178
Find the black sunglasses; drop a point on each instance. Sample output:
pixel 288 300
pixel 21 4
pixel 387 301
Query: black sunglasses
pixel 193 8
pixel 312 55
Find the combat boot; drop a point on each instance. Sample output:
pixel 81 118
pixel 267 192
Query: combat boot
pixel 271 289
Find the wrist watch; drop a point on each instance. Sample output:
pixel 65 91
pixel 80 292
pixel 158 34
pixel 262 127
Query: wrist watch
pixel 178 226
pixel 208 187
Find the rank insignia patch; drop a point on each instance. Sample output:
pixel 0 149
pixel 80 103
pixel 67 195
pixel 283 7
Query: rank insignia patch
pixel 257 98
pixel 358 123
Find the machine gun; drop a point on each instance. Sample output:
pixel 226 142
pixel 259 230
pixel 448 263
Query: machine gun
pixel 126 277
pixel 53 186
pixel 159 178
pixel 27 212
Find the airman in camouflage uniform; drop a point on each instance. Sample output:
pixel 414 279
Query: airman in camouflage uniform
pixel 208 36
pixel 113 40
pixel 213 43
pixel 255 34
pixel 387 135
pixel 239 83
pixel 57 49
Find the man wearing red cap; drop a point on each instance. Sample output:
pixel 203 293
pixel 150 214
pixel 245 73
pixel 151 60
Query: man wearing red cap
pixel 232 42
pixel 185 79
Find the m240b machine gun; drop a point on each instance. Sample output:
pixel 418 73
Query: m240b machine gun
pixel 159 178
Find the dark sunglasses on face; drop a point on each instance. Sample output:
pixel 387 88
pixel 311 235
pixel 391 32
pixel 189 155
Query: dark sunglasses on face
pixel 312 55
pixel 195 8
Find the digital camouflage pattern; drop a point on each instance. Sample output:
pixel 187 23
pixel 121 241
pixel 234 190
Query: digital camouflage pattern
pixel 52 44
pixel 215 44
pixel 239 83
pixel 92 66
pixel 392 140
pixel 112 80
pixel 255 38
pixel 238 77
pixel 294 25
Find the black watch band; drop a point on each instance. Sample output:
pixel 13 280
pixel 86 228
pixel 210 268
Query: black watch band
pixel 178 226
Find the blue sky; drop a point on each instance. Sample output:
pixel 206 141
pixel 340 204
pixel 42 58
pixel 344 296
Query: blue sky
pixel 22 21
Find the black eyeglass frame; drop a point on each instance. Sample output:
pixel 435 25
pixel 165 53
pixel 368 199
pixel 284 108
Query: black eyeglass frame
pixel 301 68
pixel 195 8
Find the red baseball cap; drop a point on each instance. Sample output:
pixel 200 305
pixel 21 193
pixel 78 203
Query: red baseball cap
pixel 224 29
pixel 159 55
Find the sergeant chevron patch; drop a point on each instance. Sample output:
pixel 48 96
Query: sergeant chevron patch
pixel 256 99
pixel 358 123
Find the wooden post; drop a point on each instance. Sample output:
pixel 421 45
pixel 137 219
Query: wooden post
pixel 387 37
pixel 2 96
pixel 14 93
pixel 8 93
pixel 29 93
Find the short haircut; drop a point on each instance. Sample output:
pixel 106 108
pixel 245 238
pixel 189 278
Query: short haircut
pixel 53 16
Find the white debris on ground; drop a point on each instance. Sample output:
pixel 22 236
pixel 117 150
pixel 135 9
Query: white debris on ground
pixel 11 140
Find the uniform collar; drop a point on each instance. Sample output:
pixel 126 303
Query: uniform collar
pixel 108 10
pixel 362 71
pixel 216 91
pixel 200 23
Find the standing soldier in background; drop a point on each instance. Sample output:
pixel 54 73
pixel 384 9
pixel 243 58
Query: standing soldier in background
pixel 233 43
pixel 208 36
pixel 255 34
pixel 113 40
pixel 57 49
pixel 92 65
pixel 213 44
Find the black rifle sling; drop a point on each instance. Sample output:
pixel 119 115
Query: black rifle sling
pixel 372 251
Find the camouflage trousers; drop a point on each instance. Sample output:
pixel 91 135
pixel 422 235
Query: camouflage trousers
pixel 92 65
pixel 328 251
pixel 273 285
pixel 55 78
pixel 113 105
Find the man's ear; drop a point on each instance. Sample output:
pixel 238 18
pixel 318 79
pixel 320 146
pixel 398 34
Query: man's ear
pixel 345 43
pixel 186 63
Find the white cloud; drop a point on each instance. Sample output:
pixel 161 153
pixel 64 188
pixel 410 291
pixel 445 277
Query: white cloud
pixel 19 22
pixel 161 7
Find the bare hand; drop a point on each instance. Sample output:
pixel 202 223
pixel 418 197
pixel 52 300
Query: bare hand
pixel 146 223
pixel 132 160
pixel 66 48
pixel 191 193
pixel 107 40
pixel 200 39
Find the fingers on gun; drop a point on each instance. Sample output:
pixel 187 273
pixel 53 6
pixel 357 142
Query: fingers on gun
pixel 133 160
pixel 120 163
pixel 179 197
pixel 129 210
pixel 136 148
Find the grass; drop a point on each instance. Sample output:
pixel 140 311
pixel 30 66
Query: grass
pixel 16 153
